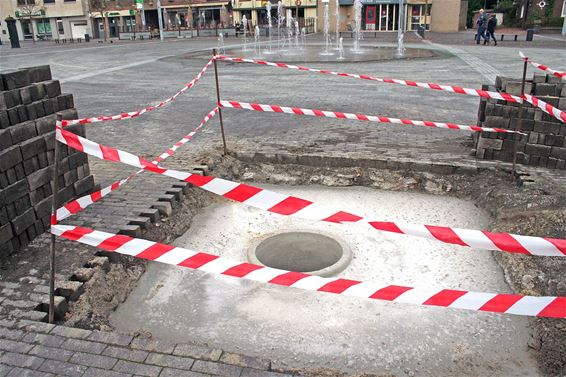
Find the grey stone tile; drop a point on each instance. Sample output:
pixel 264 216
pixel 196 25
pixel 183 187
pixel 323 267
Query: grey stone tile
pixel 71 332
pixel 83 346
pixel 110 338
pixel 51 353
pixel 44 339
pixel 19 360
pixel 62 368
pixel 197 352
pixel 177 362
pixel 90 360
pixel 136 368
pixel 217 368
pixel 126 354
pixel 95 372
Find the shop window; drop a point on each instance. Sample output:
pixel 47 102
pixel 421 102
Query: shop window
pixel 26 29
pixel 44 27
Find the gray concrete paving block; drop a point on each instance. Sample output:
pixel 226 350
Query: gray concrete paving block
pixel 95 372
pixel 538 150
pixel 51 353
pixel 558 153
pixel 71 290
pixel 71 332
pixel 217 368
pixel 45 124
pixel 21 372
pixel 152 345
pixel 101 262
pixel 19 360
pixel 171 372
pixel 52 88
pixel 84 185
pixel 33 146
pixel 15 79
pixel 130 230
pixel 83 346
pixel 164 208
pixel 62 368
pixel 5 139
pixel 83 274
pixel 126 353
pixel 4 370
pixel 4 119
pixel 110 337
pixel 97 361
pixel 14 346
pixel 39 73
pixel 198 352
pixel 5 233
pixel 10 157
pixel 245 361
pixel 177 193
pixel 151 213
pixel 14 116
pixel 11 334
pixel 44 339
pixel 136 368
pixel 22 222
pixel 162 360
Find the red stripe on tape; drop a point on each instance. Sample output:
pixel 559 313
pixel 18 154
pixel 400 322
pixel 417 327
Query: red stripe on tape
pixel 241 270
pixel 289 206
pixel 390 293
pixel 504 241
pixel 288 279
pixel 385 226
pixel 242 192
pixel 199 180
pixel 114 242
pixel 500 303
pixel 339 217
pixel 559 244
pixel 556 309
pixel 445 234
pixel 338 286
pixel 444 297
pixel 155 251
pixel 76 233
pixel 198 260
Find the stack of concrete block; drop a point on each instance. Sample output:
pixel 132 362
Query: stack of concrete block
pixel 29 99
pixel 545 142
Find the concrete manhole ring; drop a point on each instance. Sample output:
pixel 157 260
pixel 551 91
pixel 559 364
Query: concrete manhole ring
pixel 307 251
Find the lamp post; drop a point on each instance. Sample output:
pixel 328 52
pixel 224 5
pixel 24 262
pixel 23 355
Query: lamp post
pixel 160 18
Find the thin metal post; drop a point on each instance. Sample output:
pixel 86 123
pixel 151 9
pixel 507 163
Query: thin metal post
pixel 54 204
pixel 218 99
pixel 517 137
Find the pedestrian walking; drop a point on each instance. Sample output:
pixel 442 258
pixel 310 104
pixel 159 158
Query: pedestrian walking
pixel 491 26
pixel 482 27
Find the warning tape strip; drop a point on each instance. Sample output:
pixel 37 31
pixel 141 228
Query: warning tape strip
pixel 135 114
pixel 547 108
pixel 446 88
pixel 290 205
pixel 545 306
pixel 559 74
pixel 363 117
pixel 81 203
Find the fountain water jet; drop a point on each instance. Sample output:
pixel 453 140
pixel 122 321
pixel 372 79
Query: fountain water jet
pixel 401 31
pixel 326 31
pixel 340 49
pixel 279 22
pixel 256 41
pixel 245 23
pixel 221 49
pixel 269 23
pixel 337 23
pixel 357 26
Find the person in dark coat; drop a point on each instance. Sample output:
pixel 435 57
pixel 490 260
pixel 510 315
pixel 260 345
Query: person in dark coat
pixel 491 25
pixel 482 26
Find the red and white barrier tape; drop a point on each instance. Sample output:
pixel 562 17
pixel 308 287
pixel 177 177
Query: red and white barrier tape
pixel 363 117
pixel 546 107
pixel 545 306
pixel 559 74
pixel 81 203
pixel 135 114
pixel 445 88
pixel 290 205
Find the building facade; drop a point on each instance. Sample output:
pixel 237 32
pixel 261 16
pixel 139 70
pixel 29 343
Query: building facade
pixel 383 15
pixel 304 11
pixel 51 19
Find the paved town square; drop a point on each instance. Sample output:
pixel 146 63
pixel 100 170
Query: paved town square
pixel 302 144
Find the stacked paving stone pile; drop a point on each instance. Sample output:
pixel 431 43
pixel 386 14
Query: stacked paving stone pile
pixel 29 99
pixel 545 142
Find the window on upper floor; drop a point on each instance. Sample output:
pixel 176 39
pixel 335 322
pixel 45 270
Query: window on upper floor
pixel 48 1
pixel 26 2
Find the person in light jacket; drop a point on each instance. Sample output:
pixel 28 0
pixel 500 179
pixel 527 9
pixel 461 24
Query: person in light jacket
pixel 482 26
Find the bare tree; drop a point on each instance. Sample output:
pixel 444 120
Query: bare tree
pixel 101 7
pixel 30 9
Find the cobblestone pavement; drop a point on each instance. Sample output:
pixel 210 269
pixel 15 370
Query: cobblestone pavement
pixel 108 79
pixel 29 348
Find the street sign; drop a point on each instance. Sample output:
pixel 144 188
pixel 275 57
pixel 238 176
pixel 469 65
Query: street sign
pixel 132 12
pixel 139 4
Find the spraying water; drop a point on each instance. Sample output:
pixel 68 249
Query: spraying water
pixel 326 30
pixel 340 49
pixel 221 48
pixel 269 24
pixel 303 37
pixel 401 31
pixel 280 18
pixel 289 24
pixel 256 41
pixel 245 23
pixel 357 25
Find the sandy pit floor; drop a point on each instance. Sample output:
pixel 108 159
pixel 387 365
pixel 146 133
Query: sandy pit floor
pixel 301 329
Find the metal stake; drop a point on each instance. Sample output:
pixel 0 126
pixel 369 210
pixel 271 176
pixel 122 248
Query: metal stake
pixel 54 203
pixel 517 137
pixel 218 99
